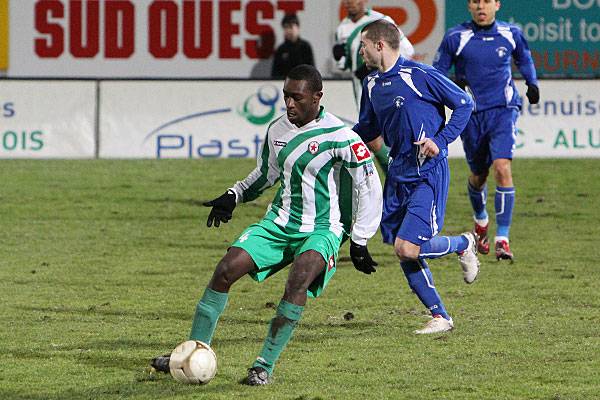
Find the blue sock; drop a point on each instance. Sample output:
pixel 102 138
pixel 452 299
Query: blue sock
pixel 439 246
pixel 478 201
pixel 504 202
pixel 420 281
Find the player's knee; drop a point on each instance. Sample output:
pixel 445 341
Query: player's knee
pixel 224 275
pixel 297 284
pixel 406 252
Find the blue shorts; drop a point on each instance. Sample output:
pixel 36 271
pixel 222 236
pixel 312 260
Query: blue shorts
pixel 415 211
pixel 489 135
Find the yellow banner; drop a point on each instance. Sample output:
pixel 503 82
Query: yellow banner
pixel 3 34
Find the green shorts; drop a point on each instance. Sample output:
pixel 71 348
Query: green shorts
pixel 272 248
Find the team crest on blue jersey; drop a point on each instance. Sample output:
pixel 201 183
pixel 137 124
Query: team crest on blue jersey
pixel 501 51
pixel 313 147
pixel 399 101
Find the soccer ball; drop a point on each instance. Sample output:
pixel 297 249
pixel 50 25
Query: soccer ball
pixel 193 362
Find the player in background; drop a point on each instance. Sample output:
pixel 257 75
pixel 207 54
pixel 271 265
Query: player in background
pixel 320 163
pixel 346 53
pixel 404 100
pixel 482 51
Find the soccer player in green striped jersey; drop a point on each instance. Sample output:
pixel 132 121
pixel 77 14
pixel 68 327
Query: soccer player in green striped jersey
pixel 325 173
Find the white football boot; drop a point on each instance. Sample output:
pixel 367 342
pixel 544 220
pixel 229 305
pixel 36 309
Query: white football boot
pixel 468 258
pixel 437 324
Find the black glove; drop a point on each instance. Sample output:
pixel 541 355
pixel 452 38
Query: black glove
pixel 362 72
pixel 533 94
pixel 361 258
pixel 339 50
pixel 222 208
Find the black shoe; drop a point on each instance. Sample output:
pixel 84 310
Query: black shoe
pixel 258 376
pixel 161 363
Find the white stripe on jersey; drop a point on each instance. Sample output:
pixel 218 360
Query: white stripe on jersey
pixel 465 36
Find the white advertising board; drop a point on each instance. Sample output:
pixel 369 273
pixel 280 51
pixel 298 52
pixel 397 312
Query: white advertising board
pixel 566 122
pixel 198 119
pixel 228 119
pixel 187 38
pixel 47 119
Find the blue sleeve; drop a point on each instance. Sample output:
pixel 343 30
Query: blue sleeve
pixel 367 126
pixel 445 92
pixel 523 59
pixel 443 58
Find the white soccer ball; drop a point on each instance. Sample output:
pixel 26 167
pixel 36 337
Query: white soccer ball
pixel 193 362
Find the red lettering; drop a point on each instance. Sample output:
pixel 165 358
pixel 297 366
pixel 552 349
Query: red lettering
pixel 52 46
pixel 228 29
pixel 119 17
pixel 290 6
pixel 205 25
pixel 78 47
pixel 591 61
pixel 163 10
pixel 262 48
pixel 571 59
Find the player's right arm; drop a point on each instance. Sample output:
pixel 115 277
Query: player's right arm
pixel 265 175
pixel 443 58
pixel 339 51
pixel 367 126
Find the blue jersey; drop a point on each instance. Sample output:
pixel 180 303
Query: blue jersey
pixel 483 57
pixel 405 105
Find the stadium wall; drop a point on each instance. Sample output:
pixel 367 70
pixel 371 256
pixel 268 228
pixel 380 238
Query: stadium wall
pixel 200 119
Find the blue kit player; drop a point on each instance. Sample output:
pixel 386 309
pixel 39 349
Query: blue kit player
pixel 482 51
pixel 404 100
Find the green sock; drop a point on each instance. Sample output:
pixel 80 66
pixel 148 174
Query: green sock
pixel 209 309
pixel 280 333
pixel 383 156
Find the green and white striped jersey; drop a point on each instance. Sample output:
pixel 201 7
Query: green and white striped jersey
pixel 325 173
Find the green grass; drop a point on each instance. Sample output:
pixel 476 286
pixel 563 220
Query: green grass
pixel 102 263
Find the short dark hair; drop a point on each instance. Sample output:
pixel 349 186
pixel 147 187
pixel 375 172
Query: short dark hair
pixel 383 30
pixel 308 73
pixel 290 19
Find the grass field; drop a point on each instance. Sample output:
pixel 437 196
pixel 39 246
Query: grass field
pixel 102 264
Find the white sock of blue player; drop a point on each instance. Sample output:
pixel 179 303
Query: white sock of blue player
pixel 439 246
pixel 478 202
pixel 420 281
pixel 504 202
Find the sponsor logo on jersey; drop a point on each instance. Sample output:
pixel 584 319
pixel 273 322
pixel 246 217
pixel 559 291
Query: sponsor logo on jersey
pixel 278 143
pixel 488 38
pixel 369 169
pixel 331 264
pixel 386 83
pixel 360 151
pixel 313 147
pixel 501 51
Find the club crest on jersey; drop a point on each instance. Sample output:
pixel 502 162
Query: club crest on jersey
pixel 360 150
pixel 501 51
pixel 313 147
pixel 399 101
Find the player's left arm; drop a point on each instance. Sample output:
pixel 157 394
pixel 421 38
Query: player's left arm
pixel 442 90
pixel 524 62
pixel 358 162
